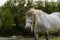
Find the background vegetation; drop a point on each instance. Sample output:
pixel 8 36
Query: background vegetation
pixel 12 15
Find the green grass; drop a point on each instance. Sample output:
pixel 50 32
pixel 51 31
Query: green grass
pixel 27 38
pixel 41 38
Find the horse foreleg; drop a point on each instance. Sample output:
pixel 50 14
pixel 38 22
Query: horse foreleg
pixel 35 35
pixel 47 35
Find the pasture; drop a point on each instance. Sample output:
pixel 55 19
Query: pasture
pixel 27 38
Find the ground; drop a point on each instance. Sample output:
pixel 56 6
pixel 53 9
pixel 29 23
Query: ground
pixel 26 38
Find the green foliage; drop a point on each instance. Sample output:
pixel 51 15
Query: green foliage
pixel 12 14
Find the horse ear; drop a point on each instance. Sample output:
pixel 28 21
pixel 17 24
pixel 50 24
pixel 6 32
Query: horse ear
pixel 33 10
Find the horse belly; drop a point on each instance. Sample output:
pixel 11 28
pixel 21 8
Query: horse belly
pixel 54 26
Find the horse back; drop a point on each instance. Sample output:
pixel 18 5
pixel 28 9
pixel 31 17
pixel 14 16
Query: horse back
pixel 56 14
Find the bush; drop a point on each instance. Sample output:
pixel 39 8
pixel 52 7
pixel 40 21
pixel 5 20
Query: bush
pixel 12 14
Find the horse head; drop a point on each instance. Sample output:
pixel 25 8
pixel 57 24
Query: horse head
pixel 31 19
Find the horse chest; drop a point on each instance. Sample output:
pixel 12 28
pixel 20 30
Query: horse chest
pixel 42 25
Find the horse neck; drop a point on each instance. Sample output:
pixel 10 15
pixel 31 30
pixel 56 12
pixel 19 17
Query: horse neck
pixel 41 13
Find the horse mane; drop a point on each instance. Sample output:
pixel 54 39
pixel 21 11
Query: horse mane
pixel 35 17
pixel 32 10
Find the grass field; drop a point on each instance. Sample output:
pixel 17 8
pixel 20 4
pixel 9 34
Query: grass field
pixel 41 38
pixel 26 38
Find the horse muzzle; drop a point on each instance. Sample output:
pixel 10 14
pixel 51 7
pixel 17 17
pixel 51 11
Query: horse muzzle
pixel 27 28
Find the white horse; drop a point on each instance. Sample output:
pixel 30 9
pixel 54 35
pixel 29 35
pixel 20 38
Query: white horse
pixel 39 21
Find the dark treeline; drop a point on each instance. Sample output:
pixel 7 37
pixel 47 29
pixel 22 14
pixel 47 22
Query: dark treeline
pixel 12 15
